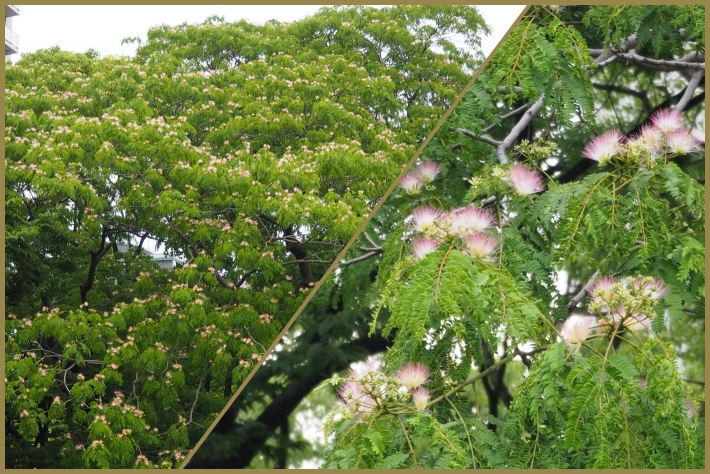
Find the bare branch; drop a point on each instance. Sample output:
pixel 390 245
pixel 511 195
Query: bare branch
pixel 361 257
pixel 517 129
pixel 197 393
pixel 604 56
pixel 688 94
pixel 625 90
pixel 488 201
pixel 369 239
pixel 582 293
pixel 244 277
pixel 671 65
pixel 488 140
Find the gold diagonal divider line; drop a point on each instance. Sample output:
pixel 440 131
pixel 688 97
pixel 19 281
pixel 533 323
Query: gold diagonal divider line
pixel 352 240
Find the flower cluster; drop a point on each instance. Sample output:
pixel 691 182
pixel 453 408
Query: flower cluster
pixel 621 304
pixel 667 135
pixel 469 223
pixel 626 302
pixel 368 388
pixel 413 376
pixel 423 174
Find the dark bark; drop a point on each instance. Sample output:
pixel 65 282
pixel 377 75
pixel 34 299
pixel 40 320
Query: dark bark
pixel 93 265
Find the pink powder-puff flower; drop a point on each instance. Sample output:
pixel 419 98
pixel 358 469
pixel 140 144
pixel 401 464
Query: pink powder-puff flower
pixel 424 217
pixel 411 183
pixel 470 219
pixel 631 321
pixel 422 246
pixel 361 369
pixel 668 120
pixel 427 171
pixel 656 289
pixel 421 398
pixel 480 245
pixel 577 328
pixel 680 142
pixel 602 289
pixel 650 139
pixel 525 180
pixel 412 375
pixel 354 397
pixel 603 147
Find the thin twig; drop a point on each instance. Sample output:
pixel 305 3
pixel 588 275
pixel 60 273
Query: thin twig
pixel 484 373
pixel 192 409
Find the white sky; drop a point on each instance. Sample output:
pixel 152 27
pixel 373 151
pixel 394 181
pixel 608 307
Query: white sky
pixel 102 27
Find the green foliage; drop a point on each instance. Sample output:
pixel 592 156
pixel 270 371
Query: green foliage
pixel 249 155
pixel 594 281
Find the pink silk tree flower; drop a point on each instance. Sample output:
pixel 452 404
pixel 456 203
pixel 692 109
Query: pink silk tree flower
pixel 577 328
pixel 656 289
pixel 601 291
pixel 480 245
pixel 650 139
pixel 668 120
pixel 412 375
pixel 424 217
pixel 631 321
pixel 525 180
pixel 427 171
pixel 411 183
pixel 354 397
pixel 422 246
pixel 603 147
pixel 680 142
pixel 470 219
pixel 421 398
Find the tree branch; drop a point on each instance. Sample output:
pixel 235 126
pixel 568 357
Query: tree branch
pixel 470 134
pixel 518 129
pixel 582 293
pixel 664 64
pixel 505 117
pixel 371 252
pixel 688 93
pixel 484 373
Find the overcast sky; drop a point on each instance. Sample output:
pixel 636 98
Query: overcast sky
pixel 102 27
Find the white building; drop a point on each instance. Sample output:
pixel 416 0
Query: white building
pixel 163 261
pixel 12 41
